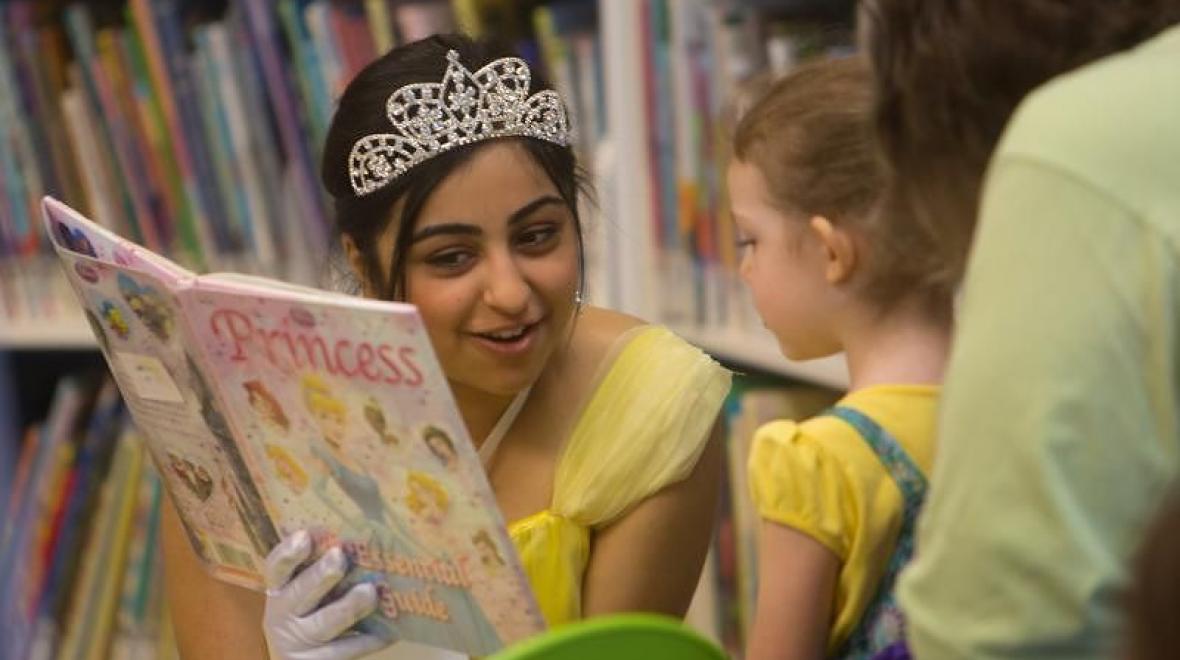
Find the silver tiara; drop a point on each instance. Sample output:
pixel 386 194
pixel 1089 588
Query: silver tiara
pixel 430 118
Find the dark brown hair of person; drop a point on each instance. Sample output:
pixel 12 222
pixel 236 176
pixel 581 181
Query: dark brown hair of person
pixel 1153 610
pixel 950 73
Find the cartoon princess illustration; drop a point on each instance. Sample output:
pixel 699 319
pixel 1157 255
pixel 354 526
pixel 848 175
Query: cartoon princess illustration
pixel 114 318
pixel 290 473
pixel 74 239
pixel 266 406
pixel 376 419
pixel 148 306
pixel 194 476
pixel 489 554
pixel 378 525
pixel 426 498
pixel 440 444
pixel 330 416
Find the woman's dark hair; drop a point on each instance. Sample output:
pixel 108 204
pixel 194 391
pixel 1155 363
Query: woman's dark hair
pixel 361 112
pixel 950 73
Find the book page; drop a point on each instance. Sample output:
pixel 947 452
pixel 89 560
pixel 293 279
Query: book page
pixel 137 321
pixel 72 232
pixel 239 282
pixel 341 408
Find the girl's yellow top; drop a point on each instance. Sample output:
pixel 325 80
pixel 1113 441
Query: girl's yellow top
pixel 822 478
pixel 641 429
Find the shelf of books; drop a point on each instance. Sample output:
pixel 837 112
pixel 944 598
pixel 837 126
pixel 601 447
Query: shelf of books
pixel 202 144
pixel 193 127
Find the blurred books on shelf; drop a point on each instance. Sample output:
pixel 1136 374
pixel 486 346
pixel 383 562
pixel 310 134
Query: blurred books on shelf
pixel 80 577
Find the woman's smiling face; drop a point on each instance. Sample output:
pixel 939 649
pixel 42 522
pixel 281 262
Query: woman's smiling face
pixel 493 268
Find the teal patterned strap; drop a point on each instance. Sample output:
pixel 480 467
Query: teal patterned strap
pixel 882 625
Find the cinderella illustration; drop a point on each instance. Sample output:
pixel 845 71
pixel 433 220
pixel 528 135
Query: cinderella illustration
pixel 370 520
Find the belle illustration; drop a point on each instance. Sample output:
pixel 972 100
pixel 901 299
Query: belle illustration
pixel 384 530
pixel 426 498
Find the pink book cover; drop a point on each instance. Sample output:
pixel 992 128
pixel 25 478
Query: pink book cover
pixel 270 408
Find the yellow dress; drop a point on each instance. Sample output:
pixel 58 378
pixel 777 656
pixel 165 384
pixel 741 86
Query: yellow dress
pixel 642 429
pixel 821 478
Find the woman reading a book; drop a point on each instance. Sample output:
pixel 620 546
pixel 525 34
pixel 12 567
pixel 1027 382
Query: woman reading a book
pixel 456 190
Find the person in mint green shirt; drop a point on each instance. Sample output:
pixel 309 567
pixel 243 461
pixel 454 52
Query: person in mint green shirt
pixel 1060 422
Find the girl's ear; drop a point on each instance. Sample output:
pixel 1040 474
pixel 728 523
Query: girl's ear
pixel 356 260
pixel 839 250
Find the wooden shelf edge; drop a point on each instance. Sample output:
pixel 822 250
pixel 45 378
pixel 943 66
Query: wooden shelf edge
pixel 760 351
pixel 69 333
pixel 741 347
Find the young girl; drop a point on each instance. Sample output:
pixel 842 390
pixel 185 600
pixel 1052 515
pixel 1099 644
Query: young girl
pixel 456 190
pixel 838 494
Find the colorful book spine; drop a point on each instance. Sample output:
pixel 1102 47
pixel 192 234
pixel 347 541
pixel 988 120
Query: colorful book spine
pixel 225 79
pixel 381 23
pixel 93 459
pixel 216 138
pixel 22 177
pixel 88 628
pixel 96 176
pixel 329 50
pixel 82 38
pixel 354 37
pixel 49 60
pixel 315 89
pixel 21 546
pixel 284 104
pixel 171 87
pixel 147 176
pixel 196 241
pixel 264 141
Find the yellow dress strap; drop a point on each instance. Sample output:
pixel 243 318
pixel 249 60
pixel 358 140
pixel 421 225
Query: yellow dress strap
pixel 642 429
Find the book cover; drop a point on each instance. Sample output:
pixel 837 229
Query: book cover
pixel 270 408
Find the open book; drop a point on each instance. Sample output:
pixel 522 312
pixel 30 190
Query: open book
pixel 270 408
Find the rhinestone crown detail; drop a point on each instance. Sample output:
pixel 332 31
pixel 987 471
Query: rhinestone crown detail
pixel 430 118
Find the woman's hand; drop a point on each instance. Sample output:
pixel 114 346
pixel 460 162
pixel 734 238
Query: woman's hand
pixel 295 627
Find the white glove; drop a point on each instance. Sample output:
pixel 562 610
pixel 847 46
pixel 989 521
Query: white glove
pixel 294 628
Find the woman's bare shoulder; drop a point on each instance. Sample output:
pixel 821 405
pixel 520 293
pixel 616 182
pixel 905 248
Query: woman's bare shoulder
pixel 595 337
pixel 598 332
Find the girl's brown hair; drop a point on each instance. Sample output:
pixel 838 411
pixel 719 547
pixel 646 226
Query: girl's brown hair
pixel 812 138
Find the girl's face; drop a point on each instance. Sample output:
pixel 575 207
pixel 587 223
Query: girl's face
pixel 783 265
pixel 493 269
